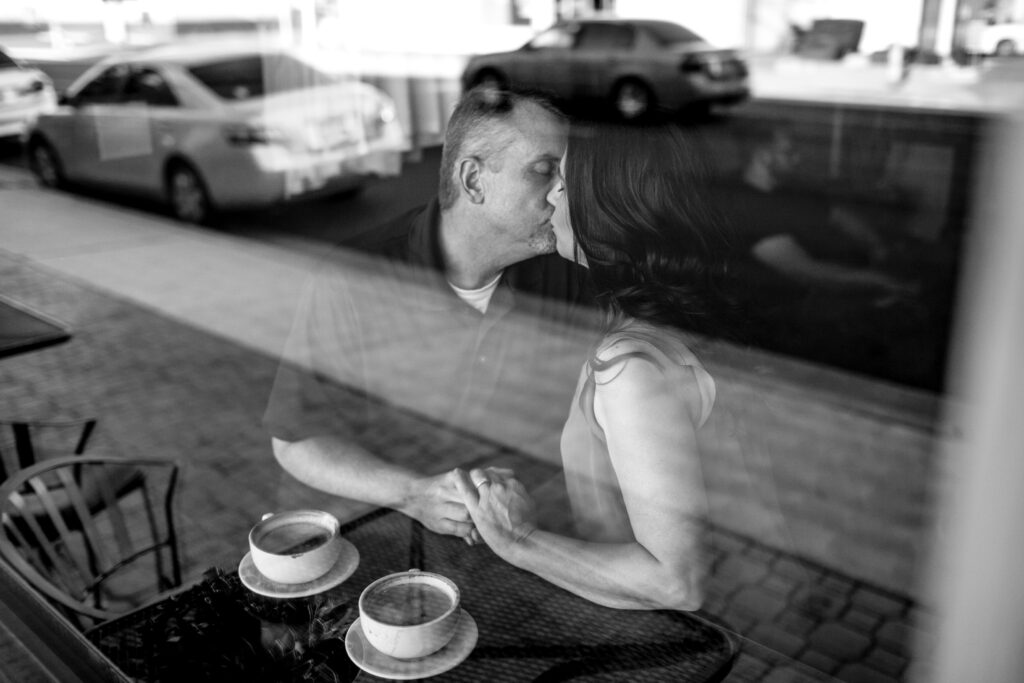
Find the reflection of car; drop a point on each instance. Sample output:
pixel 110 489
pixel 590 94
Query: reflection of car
pixel 1003 40
pixel 24 94
pixel 830 39
pixel 216 126
pixel 633 65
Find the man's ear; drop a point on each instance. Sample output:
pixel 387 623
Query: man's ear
pixel 471 179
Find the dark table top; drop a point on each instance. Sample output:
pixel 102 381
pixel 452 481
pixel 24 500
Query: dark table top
pixel 529 630
pixel 23 329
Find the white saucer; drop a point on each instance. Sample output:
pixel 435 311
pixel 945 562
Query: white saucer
pixel 251 577
pixel 372 661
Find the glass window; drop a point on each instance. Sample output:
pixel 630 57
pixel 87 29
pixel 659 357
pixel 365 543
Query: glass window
pixel 605 37
pixel 561 37
pixel 105 88
pixel 149 87
pixel 250 76
pixel 667 33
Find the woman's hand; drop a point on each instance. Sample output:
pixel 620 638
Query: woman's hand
pixel 436 502
pixel 501 509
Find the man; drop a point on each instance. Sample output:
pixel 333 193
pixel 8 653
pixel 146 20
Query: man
pixel 441 324
pixel 811 272
pixel 806 240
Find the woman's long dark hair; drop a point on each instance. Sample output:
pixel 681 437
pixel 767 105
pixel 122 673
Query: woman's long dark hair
pixel 642 214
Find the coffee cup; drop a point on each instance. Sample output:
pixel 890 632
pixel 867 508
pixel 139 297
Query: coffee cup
pixel 296 546
pixel 409 614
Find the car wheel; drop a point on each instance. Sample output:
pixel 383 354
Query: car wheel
pixel 1006 48
pixel 45 164
pixel 490 80
pixel 632 99
pixel 187 195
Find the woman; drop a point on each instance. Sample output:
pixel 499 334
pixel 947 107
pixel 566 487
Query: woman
pixel 630 210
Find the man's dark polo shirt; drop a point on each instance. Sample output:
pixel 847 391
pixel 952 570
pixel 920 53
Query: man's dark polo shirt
pixel 388 325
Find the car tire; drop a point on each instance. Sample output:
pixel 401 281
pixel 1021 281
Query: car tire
pixel 45 164
pixel 632 99
pixel 1006 48
pixel 187 196
pixel 490 80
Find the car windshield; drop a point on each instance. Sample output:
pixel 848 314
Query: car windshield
pixel 667 34
pixel 242 78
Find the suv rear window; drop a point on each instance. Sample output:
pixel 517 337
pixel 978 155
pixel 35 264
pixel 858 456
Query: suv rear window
pixel 243 78
pixel 667 34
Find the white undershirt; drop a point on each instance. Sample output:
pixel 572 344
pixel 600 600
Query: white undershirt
pixel 477 298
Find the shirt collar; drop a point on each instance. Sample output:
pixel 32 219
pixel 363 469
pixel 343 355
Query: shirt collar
pixel 425 253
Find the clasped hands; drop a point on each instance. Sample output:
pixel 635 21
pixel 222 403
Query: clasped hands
pixel 487 504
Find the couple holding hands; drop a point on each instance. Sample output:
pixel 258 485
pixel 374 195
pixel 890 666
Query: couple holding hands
pixel 459 304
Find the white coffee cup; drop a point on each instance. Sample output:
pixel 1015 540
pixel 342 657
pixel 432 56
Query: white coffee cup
pixel 295 546
pixel 410 614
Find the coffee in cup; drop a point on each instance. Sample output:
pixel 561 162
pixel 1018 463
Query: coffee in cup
pixel 409 614
pixel 296 546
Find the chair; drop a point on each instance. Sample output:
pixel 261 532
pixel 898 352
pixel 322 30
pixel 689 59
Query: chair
pixel 68 532
pixel 25 442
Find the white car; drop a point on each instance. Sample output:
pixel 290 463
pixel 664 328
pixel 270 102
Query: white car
pixel 1002 40
pixel 25 93
pixel 217 126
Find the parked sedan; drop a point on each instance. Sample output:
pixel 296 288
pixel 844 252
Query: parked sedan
pixel 635 66
pixel 217 126
pixel 25 93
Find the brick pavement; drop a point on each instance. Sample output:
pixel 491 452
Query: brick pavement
pixel 165 389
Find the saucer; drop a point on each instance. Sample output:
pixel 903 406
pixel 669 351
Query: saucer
pixel 372 661
pixel 251 577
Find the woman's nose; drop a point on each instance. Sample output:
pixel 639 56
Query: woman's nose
pixel 555 193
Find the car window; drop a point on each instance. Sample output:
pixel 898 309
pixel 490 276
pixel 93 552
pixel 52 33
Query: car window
pixel 557 37
pixel 667 34
pixel 243 78
pixel 605 37
pixel 105 88
pixel 149 87
pixel 6 62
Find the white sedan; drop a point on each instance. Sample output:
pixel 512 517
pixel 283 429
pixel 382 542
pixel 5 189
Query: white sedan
pixel 25 93
pixel 217 126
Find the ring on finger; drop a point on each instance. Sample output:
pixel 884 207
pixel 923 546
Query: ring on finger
pixel 482 482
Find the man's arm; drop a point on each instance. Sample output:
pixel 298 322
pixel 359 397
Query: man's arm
pixel 344 468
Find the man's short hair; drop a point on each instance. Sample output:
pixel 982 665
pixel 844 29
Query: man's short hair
pixel 476 128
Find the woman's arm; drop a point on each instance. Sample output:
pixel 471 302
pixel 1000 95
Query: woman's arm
pixel 649 426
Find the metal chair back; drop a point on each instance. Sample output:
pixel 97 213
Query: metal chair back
pixel 26 442
pixel 70 530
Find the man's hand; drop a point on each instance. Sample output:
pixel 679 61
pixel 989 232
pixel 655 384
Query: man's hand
pixel 437 504
pixel 499 506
